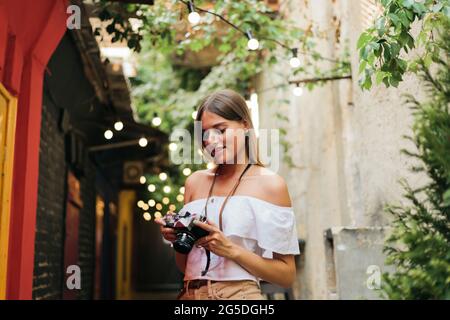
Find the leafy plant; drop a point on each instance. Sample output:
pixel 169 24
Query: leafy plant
pixel 419 246
pixel 383 46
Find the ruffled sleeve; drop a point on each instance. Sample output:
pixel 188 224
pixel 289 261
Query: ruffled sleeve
pixel 273 227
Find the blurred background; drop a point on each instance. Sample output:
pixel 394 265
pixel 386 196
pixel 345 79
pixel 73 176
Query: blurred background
pixel 90 92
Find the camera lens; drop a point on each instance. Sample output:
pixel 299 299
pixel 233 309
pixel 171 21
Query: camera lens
pixel 184 243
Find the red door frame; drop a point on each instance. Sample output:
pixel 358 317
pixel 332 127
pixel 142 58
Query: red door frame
pixel 34 30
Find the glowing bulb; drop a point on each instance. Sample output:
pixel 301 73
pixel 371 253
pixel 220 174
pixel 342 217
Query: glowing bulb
pixel 187 171
pixel 108 134
pixel 200 152
pixel 173 146
pixel 156 121
pixel 297 91
pixel 210 165
pixel 253 44
pixel 167 189
pixel 182 190
pixel 151 187
pixel 158 206
pixel 142 179
pixel 163 176
pixel 165 200
pixel 118 125
pixel 194 115
pixel 180 198
pixel 294 62
pixel 147 216
pixel 151 203
pixel 172 207
pixel 157 215
pixel 194 17
pixel 145 207
pixel 143 142
pixel 140 203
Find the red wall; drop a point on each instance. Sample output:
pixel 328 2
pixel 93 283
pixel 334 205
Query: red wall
pixel 30 30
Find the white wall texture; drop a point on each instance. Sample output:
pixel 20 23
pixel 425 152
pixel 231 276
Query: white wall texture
pixel 345 143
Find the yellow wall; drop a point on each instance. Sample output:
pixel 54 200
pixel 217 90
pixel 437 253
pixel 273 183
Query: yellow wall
pixel 127 200
pixel 8 109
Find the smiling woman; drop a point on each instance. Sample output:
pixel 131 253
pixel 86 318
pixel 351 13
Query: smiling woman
pixel 250 222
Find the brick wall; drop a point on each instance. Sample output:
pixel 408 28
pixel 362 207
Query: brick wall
pixel 49 244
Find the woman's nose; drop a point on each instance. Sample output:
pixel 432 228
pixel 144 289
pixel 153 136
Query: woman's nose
pixel 213 137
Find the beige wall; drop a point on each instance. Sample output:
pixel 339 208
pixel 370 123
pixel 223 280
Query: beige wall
pixel 346 143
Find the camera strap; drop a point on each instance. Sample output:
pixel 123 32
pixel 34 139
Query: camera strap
pixel 233 190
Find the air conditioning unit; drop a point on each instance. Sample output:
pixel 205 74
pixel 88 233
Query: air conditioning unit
pixel 132 172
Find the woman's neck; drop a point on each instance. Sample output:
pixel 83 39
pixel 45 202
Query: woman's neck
pixel 231 169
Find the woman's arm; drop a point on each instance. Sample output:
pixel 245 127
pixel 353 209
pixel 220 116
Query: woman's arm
pixel 279 270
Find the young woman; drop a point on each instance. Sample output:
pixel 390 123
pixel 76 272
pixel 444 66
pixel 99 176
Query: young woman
pixel 251 224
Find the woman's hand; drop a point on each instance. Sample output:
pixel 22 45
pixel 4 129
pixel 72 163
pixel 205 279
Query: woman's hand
pixel 216 241
pixel 168 233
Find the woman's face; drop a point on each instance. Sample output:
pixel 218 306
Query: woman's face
pixel 223 140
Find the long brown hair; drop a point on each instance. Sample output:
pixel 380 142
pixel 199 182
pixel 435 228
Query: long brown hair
pixel 230 105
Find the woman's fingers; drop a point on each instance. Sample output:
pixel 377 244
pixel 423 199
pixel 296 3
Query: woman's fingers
pixel 211 227
pixel 160 221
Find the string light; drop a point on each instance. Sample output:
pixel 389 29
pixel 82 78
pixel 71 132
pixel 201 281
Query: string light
pixel 173 146
pixel 193 17
pixel 157 215
pixel 118 125
pixel 167 189
pixel 252 44
pixel 210 165
pixel 180 198
pixel 187 171
pixel 143 142
pixel 297 91
pixel 142 179
pixel 158 206
pixel 108 134
pixel 294 61
pixel 151 187
pixel 140 203
pixel 172 207
pixel 145 207
pixel 163 176
pixel 156 121
pixel 147 216
pixel 165 200
pixel 151 203
pixel 194 115
pixel 182 190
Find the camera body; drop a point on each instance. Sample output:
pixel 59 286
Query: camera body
pixel 187 232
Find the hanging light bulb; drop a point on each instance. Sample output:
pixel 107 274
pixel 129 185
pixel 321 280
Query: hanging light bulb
pixel 118 125
pixel 108 134
pixel 156 121
pixel 142 179
pixel 158 206
pixel 294 61
pixel 194 115
pixel 193 16
pixel 172 207
pixel 167 189
pixel 187 171
pixel 182 190
pixel 163 176
pixel 145 207
pixel 173 146
pixel 151 203
pixel 210 165
pixel 252 44
pixel 180 198
pixel 165 200
pixel 147 216
pixel 151 187
pixel 157 215
pixel 140 203
pixel 143 142
pixel 297 91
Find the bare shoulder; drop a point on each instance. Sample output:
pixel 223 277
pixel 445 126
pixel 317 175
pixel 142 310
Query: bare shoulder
pixel 198 178
pixel 271 186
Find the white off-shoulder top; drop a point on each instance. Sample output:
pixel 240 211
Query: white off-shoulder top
pixel 254 224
